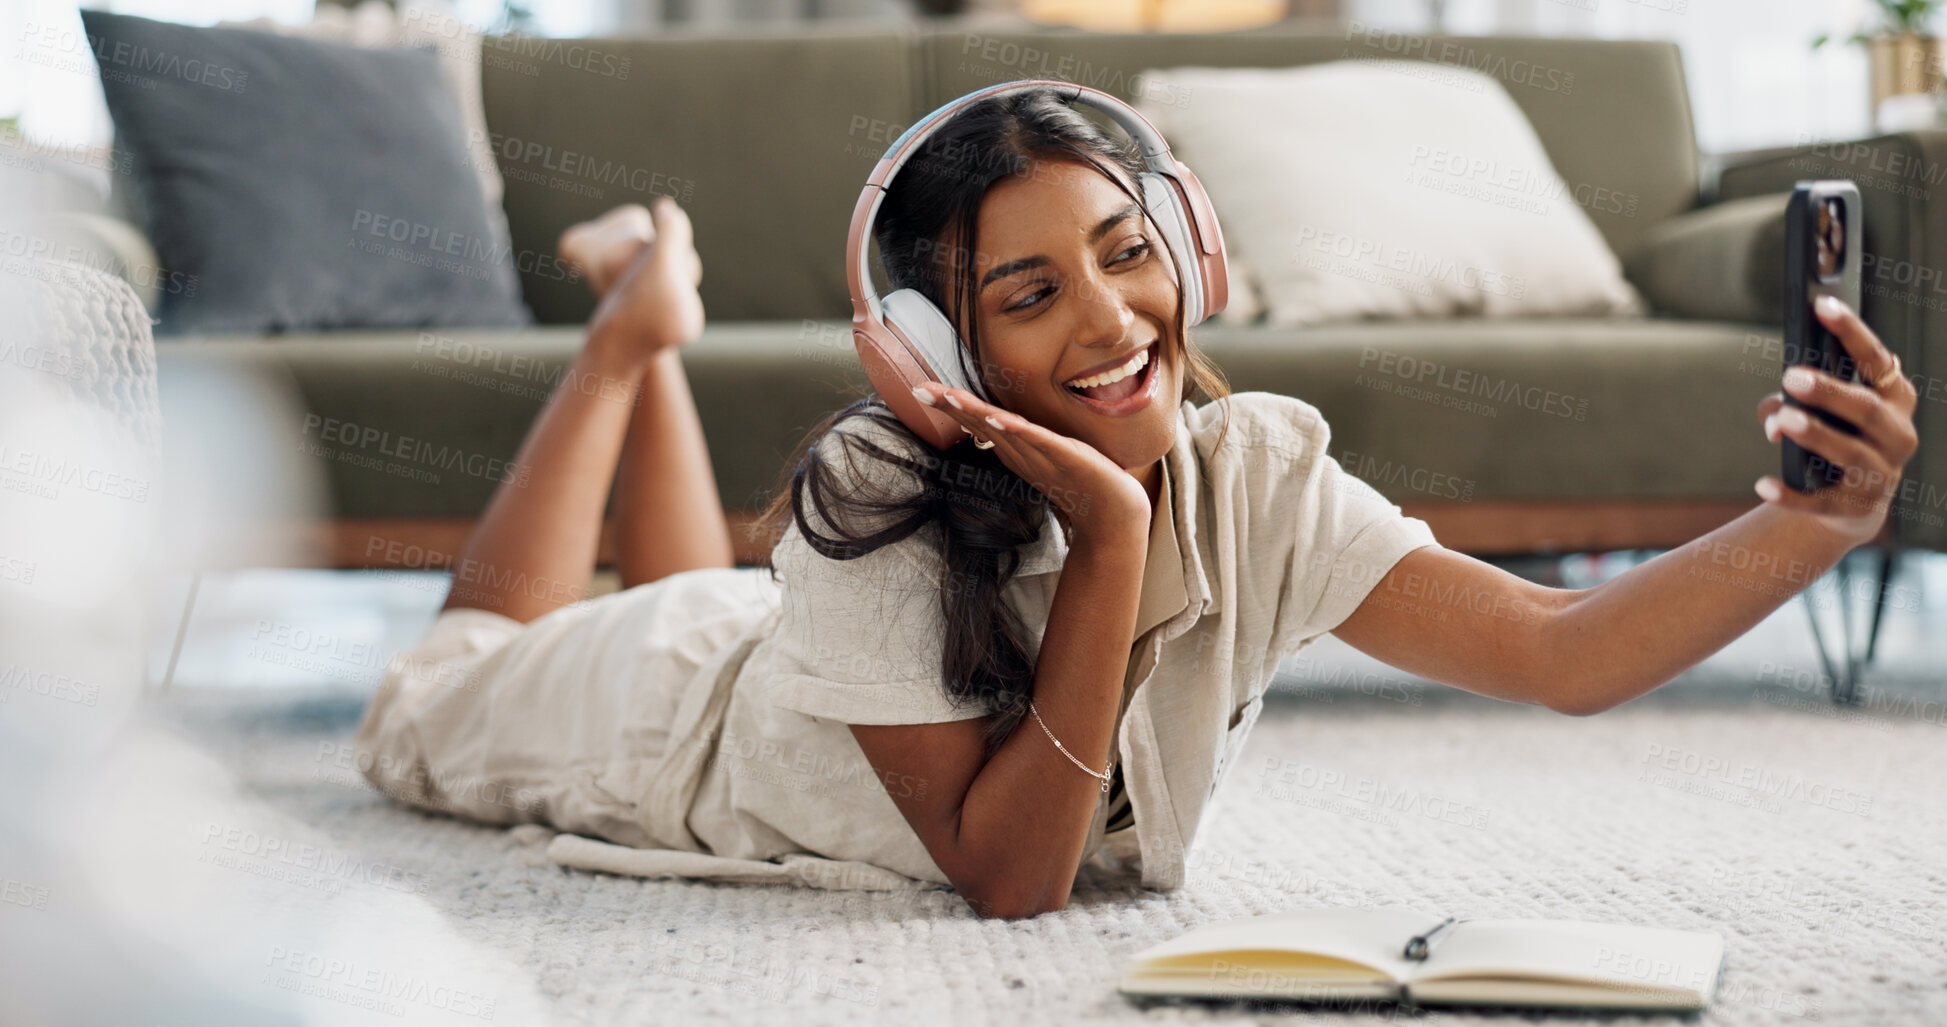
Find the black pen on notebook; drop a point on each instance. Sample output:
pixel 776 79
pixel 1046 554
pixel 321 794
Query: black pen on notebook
pixel 1421 944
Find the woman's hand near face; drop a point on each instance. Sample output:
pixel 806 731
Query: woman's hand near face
pixel 1088 488
pixel 1856 507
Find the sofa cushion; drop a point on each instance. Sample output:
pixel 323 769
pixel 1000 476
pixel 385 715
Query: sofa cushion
pixel 771 183
pixel 1529 409
pixel 303 184
pixel 765 137
pixel 425 424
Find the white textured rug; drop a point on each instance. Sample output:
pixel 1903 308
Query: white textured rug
pixel 1815 844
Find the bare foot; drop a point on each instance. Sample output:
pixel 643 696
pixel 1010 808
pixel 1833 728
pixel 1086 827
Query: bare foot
pixel 653 304
pixel 602 249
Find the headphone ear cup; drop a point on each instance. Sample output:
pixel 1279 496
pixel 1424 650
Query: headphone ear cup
pixel 931 337
pixel 893 372
pixel 1203 221
pixel 1166 210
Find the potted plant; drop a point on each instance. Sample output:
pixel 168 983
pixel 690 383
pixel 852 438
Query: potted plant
pixel 1904 56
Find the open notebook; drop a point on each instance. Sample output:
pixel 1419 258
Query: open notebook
pixel 1332 954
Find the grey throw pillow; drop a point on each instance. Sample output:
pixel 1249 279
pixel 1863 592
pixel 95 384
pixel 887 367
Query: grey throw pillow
pixel 300 184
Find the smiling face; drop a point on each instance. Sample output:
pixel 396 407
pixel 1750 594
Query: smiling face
pixel 1072 282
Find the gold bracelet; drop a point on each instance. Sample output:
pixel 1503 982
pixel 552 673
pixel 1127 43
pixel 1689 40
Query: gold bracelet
pixel 1064 749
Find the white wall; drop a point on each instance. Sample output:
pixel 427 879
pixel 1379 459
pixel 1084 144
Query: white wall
pixel 47 76
pixel 1754 79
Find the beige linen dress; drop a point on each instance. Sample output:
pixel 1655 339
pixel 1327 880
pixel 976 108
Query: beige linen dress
pixel 696 726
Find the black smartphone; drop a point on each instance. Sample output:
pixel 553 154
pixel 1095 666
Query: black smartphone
pixel 1822 258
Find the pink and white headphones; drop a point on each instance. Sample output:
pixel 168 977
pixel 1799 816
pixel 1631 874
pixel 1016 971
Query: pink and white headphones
pixel 904 339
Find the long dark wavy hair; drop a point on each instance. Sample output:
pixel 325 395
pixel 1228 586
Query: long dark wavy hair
pixel 984 512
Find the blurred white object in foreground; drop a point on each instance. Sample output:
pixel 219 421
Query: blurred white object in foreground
pixel 137 885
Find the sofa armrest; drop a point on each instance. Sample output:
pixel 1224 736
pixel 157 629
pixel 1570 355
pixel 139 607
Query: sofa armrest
pixel 108 245
pixel 1723 262
pixel 1903 180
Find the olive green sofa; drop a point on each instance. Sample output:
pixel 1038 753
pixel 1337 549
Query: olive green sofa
pixel 1593 434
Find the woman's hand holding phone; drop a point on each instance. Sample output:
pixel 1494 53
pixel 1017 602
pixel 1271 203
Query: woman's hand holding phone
pixel 1881 405
pixel 1095 495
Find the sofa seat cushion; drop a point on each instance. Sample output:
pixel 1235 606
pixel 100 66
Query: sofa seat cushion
pixel 424 424
pixel 1527 409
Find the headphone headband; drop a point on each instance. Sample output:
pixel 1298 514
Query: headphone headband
pixel 904 340
pixel 865 297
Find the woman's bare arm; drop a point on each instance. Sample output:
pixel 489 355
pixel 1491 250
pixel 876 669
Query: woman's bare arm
pixel 1009 831
pixel 1454 619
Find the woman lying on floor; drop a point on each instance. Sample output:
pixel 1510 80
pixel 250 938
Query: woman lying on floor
pixel 1039 647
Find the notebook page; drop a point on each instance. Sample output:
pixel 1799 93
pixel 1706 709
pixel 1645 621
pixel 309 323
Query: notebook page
pixel 1625 957
pixel 1369 937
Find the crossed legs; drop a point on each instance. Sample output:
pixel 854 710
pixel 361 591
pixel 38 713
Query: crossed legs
pixel 622 415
